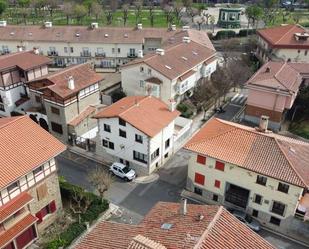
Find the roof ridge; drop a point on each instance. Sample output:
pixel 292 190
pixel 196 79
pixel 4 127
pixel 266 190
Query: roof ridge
pixel 209 228
pixel 292 27
pixel 290 163
pixel 136 102
pixel 279 71
pixel 12 120
pixel 59 72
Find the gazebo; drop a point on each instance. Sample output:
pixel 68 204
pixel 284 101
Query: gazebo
pixel 229 18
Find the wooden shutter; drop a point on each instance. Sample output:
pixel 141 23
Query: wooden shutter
pixel 219 166
pixel 39 215
pixel 201 159
pixel 199 178
pixel 52 206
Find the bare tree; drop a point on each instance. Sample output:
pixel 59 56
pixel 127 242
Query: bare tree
pixel 227 46
pixel 96 10
pixel 109 16
pixel 138 11
pixel 125 13
pixel 80 203
pixel 199 21
pixel 192 12
pixel 212 22
pixel 68 10
pixel 52 5
pixel 168 11
pixel 178 8
pixel 151 14
pixel 221 82
pixel 101 179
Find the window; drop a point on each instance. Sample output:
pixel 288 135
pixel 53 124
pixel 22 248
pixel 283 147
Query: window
pixel 282 187
pixel 138 138
pixel 257 199
pixel 149 71
pixel 298 51
pixel 215 198
pixel 107 144
pixel 199 178
pixel 155 154
pixel 55 110
pixel 38 170
pixel 201 159
pixel 57 128
pixel 306 52
pixel 167 143
pixel 118 50
pixel 261 180
pixel 72 50
pixel 255 213
pixel 37 99
pixel 12 187
pixel 219 166
pixel 275 221
pixel 122 133
pixel 217 183
pixel 198 191
pixel 113 50
pixel 122 122
pixel 141 83
pixel 65 49
pixel 139 157
pixel 141 69
pixel 166 155
pixel 278 208
pixel 107 128
pixel 50 208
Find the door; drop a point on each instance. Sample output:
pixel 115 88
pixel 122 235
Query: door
pixel 26 237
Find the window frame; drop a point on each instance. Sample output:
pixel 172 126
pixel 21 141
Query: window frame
pixel 277 210
pixel 140 157
pixel 167 143
pixel 122 122
pixel 283 187
pixel 122 133
pixel 258 181
pixel 107 127
pixel 55 127
pixel 259 196
pixel 138 138
pixel 55 110
pixel 220 166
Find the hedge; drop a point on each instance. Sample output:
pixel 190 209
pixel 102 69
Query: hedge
pixel 246 32
pixel 186 112
pixel 225 34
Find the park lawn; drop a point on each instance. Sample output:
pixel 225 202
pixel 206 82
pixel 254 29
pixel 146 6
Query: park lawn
pixel 300 128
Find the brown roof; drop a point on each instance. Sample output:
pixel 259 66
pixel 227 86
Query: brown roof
pixel 155 113
pixel 82 74
pixel 178 58
pixel 14 205
pixel 84 114
pixel 17 229
pixel 284 36
pixel 141 242
pixel 24 146
pixel 85 34
pixel 25 60
pixel 267 153
pixel 281 76
pixel 217 229
pixel 154 80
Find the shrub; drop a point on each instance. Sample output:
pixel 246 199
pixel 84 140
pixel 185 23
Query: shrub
pixel 245 32
pixel 225 34
pixel 186 112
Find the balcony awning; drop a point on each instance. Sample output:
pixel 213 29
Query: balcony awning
pixel 154 80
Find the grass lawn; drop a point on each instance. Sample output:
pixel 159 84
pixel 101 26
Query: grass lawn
pixel 300 128
pixel 59 19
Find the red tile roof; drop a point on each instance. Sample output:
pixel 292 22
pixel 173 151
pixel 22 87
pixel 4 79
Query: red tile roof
pixel 217 229
pixel 82 74
pixel 17 229
pixel 284 36
pixel 25 60
pixel 84 114
pixel 155 113
pixel 14 205
pixel 267 153
pixel 24 146
pixel 277 76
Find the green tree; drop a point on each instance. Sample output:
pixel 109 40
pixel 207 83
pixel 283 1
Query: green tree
pixel 178 8
pixel 3 6
pixel 125 13
pixel 79 12
pixel 151 14
pixel 96 10
pixel 68 10
pixel 138 11
pixel 88 4
pixel 253 13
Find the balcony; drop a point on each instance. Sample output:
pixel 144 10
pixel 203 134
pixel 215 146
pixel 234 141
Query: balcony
pixel 101 54
pixel 302 210
pixel 132 55
pixel 85 54
pixel 52 53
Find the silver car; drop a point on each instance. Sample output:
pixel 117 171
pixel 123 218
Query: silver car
pixel 247 219
pixel 123 171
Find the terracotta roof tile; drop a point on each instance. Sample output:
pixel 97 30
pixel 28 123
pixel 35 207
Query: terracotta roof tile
pixel 14 205
pixel 18 228
pixel 269 154
pixel 82 74
pixel 155 113
pixel 141 242
pixel 25 60
pixel 84 114
pixel 217 229
pixel 24 146
pixel 284 36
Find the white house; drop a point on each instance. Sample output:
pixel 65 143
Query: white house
pixel 171 72
pixel 15 70
pixel 139 131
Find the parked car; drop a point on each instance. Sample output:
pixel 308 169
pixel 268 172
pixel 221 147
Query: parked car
pixel 123 171
pixel 247 219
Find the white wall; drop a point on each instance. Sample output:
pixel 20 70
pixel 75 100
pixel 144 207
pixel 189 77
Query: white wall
pixel 9 98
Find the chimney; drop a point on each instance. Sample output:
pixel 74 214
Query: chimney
pixel 185 28
pixel 183 206
pixel 267 70
pixel 139 26
pixel 171 105
pixel 140 54
pixel 263 123
pixel 186 39
pixel 71 84
pixel 36 50
pixel 19 48
pixel 2 23
pixel 160 51
pixel 48 24
pixel 173 27
pixel 94 25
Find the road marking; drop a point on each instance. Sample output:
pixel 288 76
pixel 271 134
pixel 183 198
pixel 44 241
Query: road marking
pixel 145 189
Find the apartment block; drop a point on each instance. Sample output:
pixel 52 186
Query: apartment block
pixel 254 170
pixel 29 189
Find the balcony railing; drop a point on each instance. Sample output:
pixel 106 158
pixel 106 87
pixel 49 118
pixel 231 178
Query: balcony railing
pixel 97 54
pixel 5 52
pixel 85 54
pixel 132 55
pixel 52 53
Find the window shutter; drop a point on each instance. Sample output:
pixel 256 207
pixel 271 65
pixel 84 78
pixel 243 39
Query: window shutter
pixel 217 183
pixel 199 178
pixel 219 166
pixel 201 159
pixel 52 206
pixel 39 216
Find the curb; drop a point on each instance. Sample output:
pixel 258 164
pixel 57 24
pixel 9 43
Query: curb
pixel 89 157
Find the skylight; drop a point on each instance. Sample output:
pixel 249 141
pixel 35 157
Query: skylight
pixel 168 67
pixel 184 58
pixel 195 53
pixel 166 226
